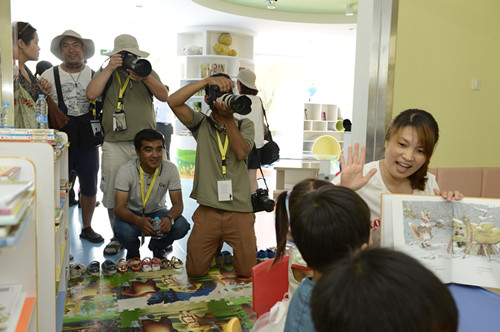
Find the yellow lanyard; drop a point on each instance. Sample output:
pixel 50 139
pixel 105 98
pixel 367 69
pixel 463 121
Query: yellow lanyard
pixel 122 91
pixel 145 199
pixel 223 150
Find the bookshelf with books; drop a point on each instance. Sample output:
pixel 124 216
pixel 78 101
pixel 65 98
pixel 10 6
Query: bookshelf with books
pixel 319 120
pixel 18 286
pixel 49 262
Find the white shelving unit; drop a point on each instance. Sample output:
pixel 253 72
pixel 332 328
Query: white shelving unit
pixel 50 266
pixel 18 260
pixel 205 37
pixel 319 120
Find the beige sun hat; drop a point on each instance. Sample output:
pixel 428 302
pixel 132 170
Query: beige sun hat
pixel 127 43
pixel 247 78
pixel 55 45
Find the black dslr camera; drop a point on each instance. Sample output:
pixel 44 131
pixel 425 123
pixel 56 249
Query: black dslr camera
pixel 237 103
pixel 141 66
pixel 261 201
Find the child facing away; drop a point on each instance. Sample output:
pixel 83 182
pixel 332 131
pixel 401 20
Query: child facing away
pixel 393 291
pixel 297 267
pixel 286 201
pixel 327 224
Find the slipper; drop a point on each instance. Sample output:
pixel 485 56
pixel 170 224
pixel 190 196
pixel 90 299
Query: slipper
pixel 94 268
pixel 108 267
pixel 176 263
pixel 134 264
pixel 122 266
pixel 228 258
pixel 156 264
pixel 146 264
pixel 77 270
pixel 165 263
pixel 113 247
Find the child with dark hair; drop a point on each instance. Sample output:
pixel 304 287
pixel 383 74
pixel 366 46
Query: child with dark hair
pixel 382 290
pixel 285 203
pixel 327 224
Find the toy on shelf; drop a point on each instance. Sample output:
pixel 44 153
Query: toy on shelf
pixel 225 40
pixel 191 49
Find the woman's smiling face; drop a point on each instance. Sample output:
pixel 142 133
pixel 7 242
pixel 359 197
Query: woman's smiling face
pixel 404 153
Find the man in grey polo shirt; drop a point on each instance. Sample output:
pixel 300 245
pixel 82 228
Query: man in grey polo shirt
pixel 140 189
pixel 221 185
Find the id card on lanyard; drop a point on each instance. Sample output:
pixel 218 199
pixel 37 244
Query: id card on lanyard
pixel 119 120
pixel 224 187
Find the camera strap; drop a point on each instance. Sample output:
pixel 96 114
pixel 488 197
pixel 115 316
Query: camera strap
pixel 119 106
pixel 263 178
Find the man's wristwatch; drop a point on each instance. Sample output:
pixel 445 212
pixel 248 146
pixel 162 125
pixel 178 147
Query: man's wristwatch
pixel 171 220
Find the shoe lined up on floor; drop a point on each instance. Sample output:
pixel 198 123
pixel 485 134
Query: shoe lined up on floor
pixel 113 247
pixel 91 236
pixel 223 258
pixel 264 255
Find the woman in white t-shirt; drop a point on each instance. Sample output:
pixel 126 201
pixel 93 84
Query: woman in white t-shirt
pixel 409 144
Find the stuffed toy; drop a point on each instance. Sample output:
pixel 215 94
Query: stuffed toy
pixel 223 48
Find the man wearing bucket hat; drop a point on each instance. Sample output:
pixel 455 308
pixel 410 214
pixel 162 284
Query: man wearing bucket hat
pixel 69 83
pixel 245 82
pixel 127 109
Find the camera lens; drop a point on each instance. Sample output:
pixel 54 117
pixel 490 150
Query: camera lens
pixel 141 66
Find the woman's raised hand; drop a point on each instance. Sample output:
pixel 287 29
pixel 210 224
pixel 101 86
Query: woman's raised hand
pixel 352 172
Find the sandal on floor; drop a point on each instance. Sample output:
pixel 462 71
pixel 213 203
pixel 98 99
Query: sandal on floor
pixel 134 264
pixel 94 268
pixel 76 270
pixel 165 263
pixel 156 264
pixel 113 247
pixel 108 267
pixel 122 266
pixel 228 258
pixel 146 265
pixel 176 263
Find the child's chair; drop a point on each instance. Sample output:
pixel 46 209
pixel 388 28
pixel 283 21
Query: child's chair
pixel 270 283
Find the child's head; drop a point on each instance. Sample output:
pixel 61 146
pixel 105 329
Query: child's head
pixel 293 196
pixel 328 223
pixel 382 290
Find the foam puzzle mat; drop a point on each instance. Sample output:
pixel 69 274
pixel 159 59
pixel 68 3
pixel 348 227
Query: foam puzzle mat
pixel 165 300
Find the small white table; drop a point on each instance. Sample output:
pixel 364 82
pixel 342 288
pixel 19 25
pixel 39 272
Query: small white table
pixel 292 171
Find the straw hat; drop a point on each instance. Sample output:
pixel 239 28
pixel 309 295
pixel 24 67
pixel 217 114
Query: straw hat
pixel 55 45
pixel 127 43
pixel 247 78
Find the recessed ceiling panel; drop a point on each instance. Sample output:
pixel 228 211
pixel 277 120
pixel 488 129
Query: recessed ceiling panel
pixel 305 11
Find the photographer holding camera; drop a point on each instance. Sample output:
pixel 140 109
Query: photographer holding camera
pixel 221 185
pixel 126 87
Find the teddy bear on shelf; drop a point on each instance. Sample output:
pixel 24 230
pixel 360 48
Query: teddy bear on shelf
pixel 223 48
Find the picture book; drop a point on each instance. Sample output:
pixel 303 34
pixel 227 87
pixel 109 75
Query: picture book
pixel 9 296
pixel 458 240
pixel 9 173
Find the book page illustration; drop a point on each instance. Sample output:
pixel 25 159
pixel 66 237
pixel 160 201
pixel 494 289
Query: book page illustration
pixel 459 240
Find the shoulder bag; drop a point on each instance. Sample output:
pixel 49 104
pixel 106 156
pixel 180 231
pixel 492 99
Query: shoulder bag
pixel 270 151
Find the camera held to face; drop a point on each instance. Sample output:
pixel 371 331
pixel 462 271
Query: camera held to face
pixel 261 201
pixel 141 66
pixel 237 103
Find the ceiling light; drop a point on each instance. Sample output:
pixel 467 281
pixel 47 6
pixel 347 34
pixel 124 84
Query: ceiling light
pixel 271 4
pixel 349 10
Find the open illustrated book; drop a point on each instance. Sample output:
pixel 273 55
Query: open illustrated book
pixel 459 240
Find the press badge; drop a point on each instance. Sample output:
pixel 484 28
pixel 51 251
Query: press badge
pixel 225 190
pixel 96 127
pixel 119 121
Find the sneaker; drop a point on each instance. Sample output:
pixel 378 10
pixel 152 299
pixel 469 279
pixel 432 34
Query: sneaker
pixel 91 236
pixel 159 253
pixel 169 248
pixel 113 247
pixel 270 253
pixel 261 256
pixel 108 267
pixel 228 258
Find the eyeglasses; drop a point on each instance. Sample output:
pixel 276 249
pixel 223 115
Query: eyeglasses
pixel 23 29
